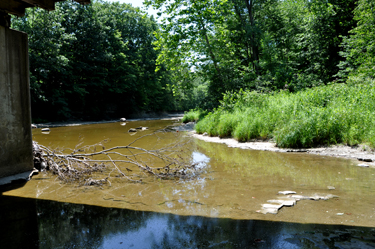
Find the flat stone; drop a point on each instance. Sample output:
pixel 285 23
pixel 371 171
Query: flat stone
pixel 272 206
pixel 288 200
pixel 340 214
pixel 300 197
pixel 318 197
pixel 123 119
pixel 363 165
pixel 331 187
pixel 45 129
pixel 268 211
pixel 287 192
pixel 276 201
pixel 288 203
pixel 132 130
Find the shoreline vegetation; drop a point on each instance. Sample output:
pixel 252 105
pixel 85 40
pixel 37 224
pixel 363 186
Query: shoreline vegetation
pixel 321 116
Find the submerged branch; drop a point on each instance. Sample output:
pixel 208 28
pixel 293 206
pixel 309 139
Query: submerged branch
pixel 86 162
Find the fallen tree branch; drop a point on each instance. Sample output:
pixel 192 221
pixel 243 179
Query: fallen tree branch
pixel 84 163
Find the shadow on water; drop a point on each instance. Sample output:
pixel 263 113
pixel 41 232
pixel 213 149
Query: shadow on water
pixel 32 223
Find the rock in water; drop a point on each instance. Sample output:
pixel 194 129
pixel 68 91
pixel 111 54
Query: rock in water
pixel 132 130
pixel 45 129
pixel 123 119
pixel 363 165
pixel 287 192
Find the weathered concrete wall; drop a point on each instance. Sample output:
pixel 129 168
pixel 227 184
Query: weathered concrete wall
pixel 15 117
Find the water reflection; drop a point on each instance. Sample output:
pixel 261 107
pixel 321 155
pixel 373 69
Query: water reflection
pixel 200 159
pixel 50 224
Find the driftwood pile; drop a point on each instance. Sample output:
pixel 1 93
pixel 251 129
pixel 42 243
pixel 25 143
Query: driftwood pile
pixel 96 165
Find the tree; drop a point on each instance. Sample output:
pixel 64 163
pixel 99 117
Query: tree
pixel 94 61
pixel 360 45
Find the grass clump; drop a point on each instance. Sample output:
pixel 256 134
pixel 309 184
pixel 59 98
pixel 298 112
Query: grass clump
pixel 193 115
pixel 336 113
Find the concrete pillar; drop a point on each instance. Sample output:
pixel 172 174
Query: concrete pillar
pixel 15 115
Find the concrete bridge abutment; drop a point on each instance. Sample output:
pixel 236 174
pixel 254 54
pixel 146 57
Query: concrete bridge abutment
pixel 16 160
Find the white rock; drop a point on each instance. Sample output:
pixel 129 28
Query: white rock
pixel 276 201
pixel 299 197
pixel 123 119
pixel 272 206
pixel 318 197
pixel 363 165
pixel 288 200
pixel 268 211
pixel 283 202
pixel 45 129
pixel 287 192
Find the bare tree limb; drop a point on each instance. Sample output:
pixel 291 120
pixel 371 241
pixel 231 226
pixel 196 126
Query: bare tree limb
pixel 84 163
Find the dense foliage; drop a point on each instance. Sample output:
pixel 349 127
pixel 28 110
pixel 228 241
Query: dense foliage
pixel 319 43
pixel 262 45
pixel 359 47
pixel 94 61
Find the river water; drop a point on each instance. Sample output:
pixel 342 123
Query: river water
pixel 219 208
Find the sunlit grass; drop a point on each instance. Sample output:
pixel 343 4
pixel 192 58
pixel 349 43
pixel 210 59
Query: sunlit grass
pixel 193 115
pixel 336 113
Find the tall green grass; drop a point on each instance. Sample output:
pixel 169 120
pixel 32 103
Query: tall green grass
pixel 336 113
pixel 193 115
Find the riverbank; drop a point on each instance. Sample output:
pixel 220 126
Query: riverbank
pixel 350 152
pixel 171 116
pixel 324 115
pixel 361 155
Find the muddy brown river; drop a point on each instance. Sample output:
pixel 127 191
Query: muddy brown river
pixel 219 208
